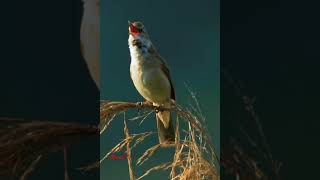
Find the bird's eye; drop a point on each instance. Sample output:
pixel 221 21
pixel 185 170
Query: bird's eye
pixel 140 30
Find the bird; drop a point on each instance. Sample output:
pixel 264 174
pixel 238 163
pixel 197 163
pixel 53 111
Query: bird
pixel 151 77
pixel 90 38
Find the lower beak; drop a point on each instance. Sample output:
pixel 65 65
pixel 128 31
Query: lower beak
pixel 131 27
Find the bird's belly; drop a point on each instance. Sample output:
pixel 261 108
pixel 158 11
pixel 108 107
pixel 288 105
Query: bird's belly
pixel 152 84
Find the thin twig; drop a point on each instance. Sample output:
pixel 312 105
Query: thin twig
pixel 31 168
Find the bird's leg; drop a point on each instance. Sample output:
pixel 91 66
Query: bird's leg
pixel 140 104
pixel 159 108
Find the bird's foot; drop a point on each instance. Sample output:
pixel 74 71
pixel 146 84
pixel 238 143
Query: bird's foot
pixel 139 106
pixel 159 109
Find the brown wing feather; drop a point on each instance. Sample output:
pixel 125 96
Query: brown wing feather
pixel 167 72
pixel 165 69
pixel 164 123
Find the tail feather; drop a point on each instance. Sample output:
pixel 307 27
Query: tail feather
pixel 165 127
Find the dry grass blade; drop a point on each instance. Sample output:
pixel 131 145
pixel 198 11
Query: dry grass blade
pixel 245 151
pixel 194 156
pixel 31 168
pixel 150 152
pixel 123 143
pixel 163 166
pixel 199 170
pixel 142 138
pixel 117 148
pixel 23 141
pixel 178 150
pixel 142 117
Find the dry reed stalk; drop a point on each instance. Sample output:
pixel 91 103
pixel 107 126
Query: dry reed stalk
pixel 163 166
pixel 31 168
pixel 194 156
pixel 245 154
pixel 201 170
pixel 126 132
pixel 178 150
pixel 23 143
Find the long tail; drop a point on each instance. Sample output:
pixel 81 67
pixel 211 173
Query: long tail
pixel 165 127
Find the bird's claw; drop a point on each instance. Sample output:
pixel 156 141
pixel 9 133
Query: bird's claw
pixel 159 109
pixel 139 106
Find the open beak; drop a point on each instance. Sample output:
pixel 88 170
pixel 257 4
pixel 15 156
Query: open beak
pixel 132 28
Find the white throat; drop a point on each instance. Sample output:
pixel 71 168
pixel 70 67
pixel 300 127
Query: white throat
pixel 136 52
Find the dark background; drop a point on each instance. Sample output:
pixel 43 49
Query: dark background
pixel 43 76
pixel 273 48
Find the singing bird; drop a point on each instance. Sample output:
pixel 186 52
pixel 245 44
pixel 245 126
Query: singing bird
pixel 90 37
pixel 151 77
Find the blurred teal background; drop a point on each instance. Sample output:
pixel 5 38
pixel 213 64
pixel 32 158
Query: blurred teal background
pixel 186 34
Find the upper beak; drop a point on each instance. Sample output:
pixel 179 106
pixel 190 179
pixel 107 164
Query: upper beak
pixel 131 25
pixel 132 28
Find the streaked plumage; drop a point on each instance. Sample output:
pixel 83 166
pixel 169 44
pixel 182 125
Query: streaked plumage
pixel 151 77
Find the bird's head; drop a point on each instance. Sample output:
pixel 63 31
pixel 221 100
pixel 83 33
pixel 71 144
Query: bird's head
pixel 137 29
pixel 138 36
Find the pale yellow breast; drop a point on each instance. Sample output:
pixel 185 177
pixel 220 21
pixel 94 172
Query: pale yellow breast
pixel 151 83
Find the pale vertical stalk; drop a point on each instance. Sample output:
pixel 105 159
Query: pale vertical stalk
pixel 31 168
pixel 126 132
pixel 177 149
